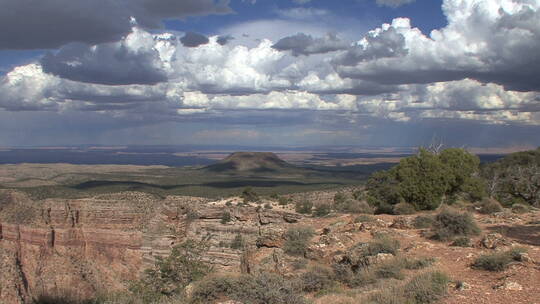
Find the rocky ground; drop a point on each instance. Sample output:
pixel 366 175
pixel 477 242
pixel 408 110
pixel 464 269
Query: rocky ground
pixel 82 246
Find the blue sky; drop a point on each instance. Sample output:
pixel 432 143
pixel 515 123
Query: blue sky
pixel 286 72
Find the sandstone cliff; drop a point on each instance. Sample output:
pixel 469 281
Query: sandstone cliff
pixel 76 247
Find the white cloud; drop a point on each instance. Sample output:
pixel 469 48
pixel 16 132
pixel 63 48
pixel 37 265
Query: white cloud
pixel 483 67
pixel 492 41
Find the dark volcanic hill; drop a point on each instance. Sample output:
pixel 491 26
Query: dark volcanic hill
pixel 250 162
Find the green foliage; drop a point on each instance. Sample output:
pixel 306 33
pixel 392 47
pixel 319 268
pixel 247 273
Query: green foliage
pixel 267 206
pixel 423 221
pixel 403 209
pixel 520 208
pixel 214 287
pixel 475 188
pixel 283 201
pixel 268 288
pixel 423 180
pixel 249 195
pixel 417 263
pixel 363 277
pixel 462 242
pixel 297 240
pixel 364 218
pixel 339 198
pixel 381 244
pixel 383 188
pixel 450 224
pixel 304 207
pixel 359 195
pixel 299 263
pixel 384 208
pixel 498 261
pixel 317 278
pixel 260 288
pixel 389 269
pixel 170 275
pixel 225 217
pixel 322 210
pixel 237 242
pixel 460 166
pixel 515 178
pixel 426 288
pixel 490 206
pixel 388 295
pixel 354 206
pixel 343 273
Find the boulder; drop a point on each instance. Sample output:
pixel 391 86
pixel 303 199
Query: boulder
pixel 493 240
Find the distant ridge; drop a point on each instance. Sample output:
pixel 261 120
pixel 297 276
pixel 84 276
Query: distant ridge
pixel 250 162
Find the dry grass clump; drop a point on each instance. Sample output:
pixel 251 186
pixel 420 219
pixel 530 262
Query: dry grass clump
pixel 297 240
pixel 498 261
pixel 450 224
pixel 489 206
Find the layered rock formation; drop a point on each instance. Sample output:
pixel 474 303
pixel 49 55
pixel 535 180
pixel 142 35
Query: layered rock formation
pixel 60 247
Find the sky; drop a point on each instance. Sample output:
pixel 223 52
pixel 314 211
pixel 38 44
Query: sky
pixel 270 73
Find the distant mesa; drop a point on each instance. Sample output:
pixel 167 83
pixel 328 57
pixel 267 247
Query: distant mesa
pixel 250 162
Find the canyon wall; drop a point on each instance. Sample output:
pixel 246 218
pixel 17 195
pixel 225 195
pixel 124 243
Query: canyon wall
pixel 75 248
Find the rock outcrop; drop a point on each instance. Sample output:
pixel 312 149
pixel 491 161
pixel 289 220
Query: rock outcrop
pixel 77 247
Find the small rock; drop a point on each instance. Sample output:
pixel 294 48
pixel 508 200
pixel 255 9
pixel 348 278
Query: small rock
pixel 380 257
pixel 493 240
pixel 510 286
pixel 463 286
pixel 525 257
pixel 402 223
pixel 189 290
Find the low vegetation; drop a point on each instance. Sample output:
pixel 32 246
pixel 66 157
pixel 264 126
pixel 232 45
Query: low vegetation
pixel 249 195
pixel 498 261
pixel 462 242
pixel 297 240
pixel 489 206
pixel 423 221
pixel 322 210
pixel 450 224
pixel 226 217
pixel 260 288
pixel 304 206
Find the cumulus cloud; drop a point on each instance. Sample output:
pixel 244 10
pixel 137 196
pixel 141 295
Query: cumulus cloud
pixel 466 99
pixel 133 60
pixel 394 3
pixel 191 39
pixel 273 100
pixel 48 24
pixel 492 41
pixel 29 88
pixel 302 44
pixel 234 70
pixel 481 67
pixel 380 43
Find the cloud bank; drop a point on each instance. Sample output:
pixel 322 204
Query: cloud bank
pixel 482 68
